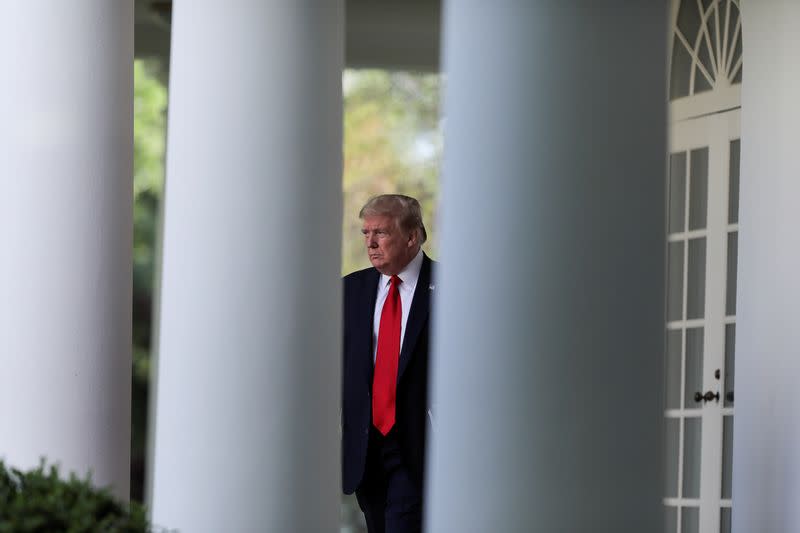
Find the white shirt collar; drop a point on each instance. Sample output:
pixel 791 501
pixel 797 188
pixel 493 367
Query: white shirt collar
pixel 409 275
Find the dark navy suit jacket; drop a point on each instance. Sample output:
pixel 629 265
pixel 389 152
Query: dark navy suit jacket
pixel 411 411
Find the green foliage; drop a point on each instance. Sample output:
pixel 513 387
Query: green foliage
pixel 38 501
pixel 149 105
pixel 149 134
pixel 149 142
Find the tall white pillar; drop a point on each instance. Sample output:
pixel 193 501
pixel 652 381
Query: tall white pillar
pixel 766 438
pixel 66 149
pixel 247 405
pixel 550 320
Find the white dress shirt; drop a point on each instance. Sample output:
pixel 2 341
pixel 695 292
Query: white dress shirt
pixel 409 275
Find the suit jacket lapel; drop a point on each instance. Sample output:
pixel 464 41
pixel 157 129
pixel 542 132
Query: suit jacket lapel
pixel 417 316
pixel 370 298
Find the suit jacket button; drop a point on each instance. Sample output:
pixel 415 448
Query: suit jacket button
pixel 366 431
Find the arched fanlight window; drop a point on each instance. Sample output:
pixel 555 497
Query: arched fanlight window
pixel 706 47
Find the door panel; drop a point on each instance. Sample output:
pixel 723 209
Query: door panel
pixel 701 272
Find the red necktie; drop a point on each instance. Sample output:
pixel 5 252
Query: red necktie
pixel 384 382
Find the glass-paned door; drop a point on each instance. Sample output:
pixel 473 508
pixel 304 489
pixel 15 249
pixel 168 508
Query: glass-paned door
pixel 703 198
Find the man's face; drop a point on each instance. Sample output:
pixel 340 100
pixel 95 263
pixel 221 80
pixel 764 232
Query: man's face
pixel 388 247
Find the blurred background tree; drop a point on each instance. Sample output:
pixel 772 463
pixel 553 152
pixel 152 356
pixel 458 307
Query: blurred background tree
pixel 392 143
pixel 149 142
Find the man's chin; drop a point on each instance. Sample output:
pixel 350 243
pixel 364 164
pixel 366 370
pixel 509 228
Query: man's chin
pixel 379 264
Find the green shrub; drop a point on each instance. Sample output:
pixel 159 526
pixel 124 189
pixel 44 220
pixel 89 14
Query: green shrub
pixel 38 501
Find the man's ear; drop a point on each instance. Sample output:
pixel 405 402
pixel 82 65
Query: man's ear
pixel 413 238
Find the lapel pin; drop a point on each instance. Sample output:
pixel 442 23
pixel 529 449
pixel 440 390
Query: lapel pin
pixel 431 286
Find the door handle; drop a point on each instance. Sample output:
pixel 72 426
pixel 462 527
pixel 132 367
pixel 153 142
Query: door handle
pixel 707 397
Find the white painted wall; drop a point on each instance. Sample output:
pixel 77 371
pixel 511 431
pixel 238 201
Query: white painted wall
pixel 766 450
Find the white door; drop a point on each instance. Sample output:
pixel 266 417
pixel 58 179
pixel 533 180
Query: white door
pixel 701 302
pixel 705 57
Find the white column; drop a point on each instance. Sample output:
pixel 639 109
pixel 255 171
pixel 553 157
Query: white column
pixel 66 148
pixel 766 449
pixel 247 405
pixel 550 320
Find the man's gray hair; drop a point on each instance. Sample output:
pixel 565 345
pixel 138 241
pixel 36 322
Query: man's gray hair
pixel 404 209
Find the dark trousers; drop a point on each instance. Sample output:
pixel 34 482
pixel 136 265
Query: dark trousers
pixel 390 500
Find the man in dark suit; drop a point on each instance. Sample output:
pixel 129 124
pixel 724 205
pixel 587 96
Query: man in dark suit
pixel 385 374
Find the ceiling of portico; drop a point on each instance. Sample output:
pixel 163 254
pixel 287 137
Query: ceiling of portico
pixel 391 34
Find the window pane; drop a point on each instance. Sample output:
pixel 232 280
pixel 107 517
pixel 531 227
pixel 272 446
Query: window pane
pixel 675 288
pixel 672 398
pixel 671 520
pixel 704 55
pixel 692 436
pixel 730 362
pixel 727 456
pixel 725 520
pixel 677 192
pixel 733 187
pixel 716 36
pixel 734 48
pixel 732 18
pixel 696 279
pixel 672 451
pixel 690 520
pixel 737 52
pixel 733 256
pixel 700 82
pixel 738 77
pixel 698 188
pixel 689 19
pixel 680 71
pixel 694 366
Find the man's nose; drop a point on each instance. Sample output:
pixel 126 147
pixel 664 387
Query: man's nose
pixel 372 242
